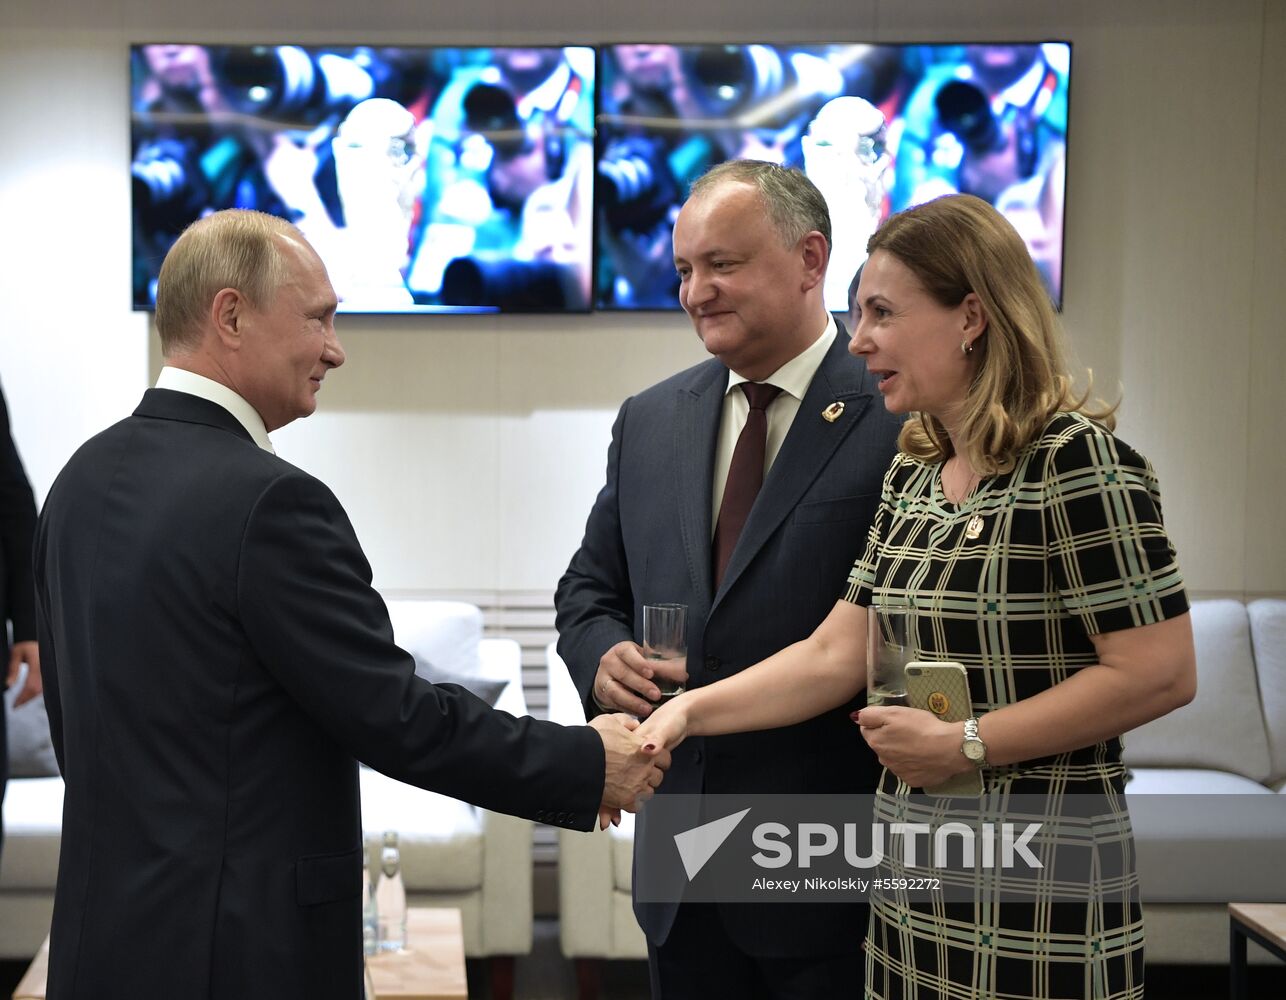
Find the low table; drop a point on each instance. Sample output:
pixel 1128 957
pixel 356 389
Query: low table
pixel 431 968
pixel 32 984
pixel 1263 923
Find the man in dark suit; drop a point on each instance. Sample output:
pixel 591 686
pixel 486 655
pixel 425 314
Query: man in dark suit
pixel 751 247
pixel 217 662
pixel 17 594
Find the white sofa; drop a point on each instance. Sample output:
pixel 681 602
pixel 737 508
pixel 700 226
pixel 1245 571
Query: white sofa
pixel 1193 856
pixel 453 854
pixel 1207 794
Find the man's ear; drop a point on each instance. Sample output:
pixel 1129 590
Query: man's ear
pixel 815 255
pixel 227 315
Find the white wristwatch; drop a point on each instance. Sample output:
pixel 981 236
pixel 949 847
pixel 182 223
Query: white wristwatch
pixel 972 746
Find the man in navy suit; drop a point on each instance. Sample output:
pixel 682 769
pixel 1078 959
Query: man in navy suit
pixel 216 662
pixel 751 247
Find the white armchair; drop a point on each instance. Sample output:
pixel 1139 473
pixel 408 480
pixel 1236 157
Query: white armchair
pixel 595 913
pixel 455 854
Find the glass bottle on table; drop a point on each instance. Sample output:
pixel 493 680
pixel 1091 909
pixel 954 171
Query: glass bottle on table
pixel 370 914
pixel 390 896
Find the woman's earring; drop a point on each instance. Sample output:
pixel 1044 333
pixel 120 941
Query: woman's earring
pixel 966 348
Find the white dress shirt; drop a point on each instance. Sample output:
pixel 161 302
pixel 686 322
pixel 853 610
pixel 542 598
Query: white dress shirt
pixel 793 379
pixel 182 380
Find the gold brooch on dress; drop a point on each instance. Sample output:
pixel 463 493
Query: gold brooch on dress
pixel 974 528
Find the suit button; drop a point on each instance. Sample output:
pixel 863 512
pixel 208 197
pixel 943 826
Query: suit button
pixel 713 663
pixel 540 815
pixel 696 757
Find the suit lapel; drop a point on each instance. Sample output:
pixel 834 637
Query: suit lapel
pixel 699 408
pixel 809 445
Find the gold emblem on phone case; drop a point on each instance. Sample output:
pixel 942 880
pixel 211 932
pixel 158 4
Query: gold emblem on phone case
pixel 939 703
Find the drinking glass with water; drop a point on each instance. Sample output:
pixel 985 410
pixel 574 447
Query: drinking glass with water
pixel 665 637
pixel 890 646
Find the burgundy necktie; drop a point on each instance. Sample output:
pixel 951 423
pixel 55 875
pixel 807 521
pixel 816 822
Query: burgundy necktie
pixel 745 475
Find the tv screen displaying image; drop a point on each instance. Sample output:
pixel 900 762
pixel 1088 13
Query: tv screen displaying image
pixel 878 128
pixel 428 179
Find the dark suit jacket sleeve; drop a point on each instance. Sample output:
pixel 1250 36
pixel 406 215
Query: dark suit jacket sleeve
pixel 17 527
pixel 313 620
pixel 594 603
pixel 49 676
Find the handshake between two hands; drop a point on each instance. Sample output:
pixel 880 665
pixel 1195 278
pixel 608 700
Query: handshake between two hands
pixel 637 754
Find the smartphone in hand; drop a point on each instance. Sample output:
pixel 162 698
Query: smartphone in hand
pixel 943 689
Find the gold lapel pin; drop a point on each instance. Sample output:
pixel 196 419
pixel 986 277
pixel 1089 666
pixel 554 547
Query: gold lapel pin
pixel 832 412
pixel 974 528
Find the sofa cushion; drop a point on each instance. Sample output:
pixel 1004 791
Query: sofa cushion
pixel 501 660
pixel 443 636
pixel 440 837
pixel 1268 637
pixel 442 633
pixel 1189 781
pixel 33 815
pixel 31 752
pixel 627 940
pixel 1222 729
pixel 1222 844
pixel 486 688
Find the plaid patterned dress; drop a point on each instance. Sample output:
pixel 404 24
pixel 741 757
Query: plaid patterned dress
pixel 1012 583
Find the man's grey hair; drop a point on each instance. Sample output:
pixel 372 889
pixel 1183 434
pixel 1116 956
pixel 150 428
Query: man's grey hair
pixel 235 248
pixel 794 205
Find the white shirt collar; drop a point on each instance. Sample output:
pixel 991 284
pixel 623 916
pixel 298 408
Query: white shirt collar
pixel 182 380
pixel 796 374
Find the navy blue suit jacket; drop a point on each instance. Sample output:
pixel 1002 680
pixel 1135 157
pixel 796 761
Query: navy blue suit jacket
pixel 215 664
pixel 648 540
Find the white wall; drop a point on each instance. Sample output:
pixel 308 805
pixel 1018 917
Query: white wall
pixel 468 450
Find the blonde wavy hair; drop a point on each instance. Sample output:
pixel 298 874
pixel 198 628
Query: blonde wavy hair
pixel 959 244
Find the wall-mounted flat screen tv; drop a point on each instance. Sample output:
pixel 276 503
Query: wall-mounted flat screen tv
pixel 878 128
pixel 429 179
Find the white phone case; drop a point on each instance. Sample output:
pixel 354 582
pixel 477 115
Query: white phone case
pixel 943 689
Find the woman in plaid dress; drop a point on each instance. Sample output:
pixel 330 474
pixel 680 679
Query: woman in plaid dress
pixel 1029 541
